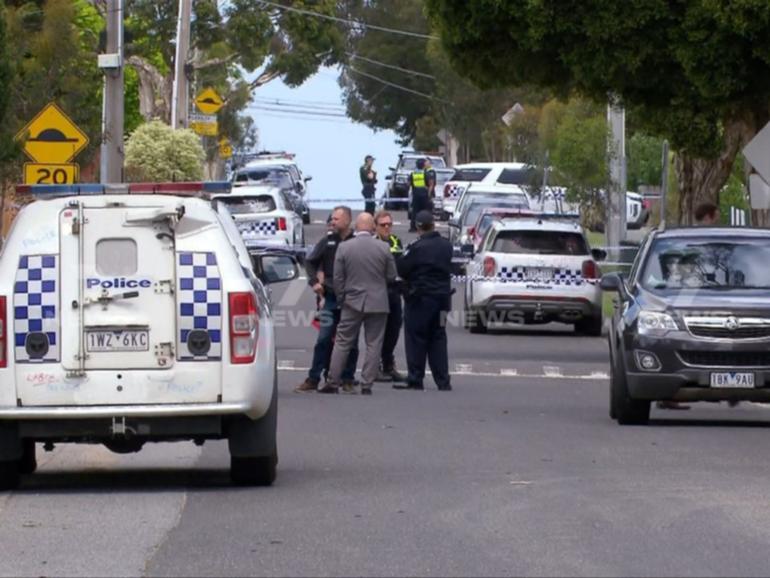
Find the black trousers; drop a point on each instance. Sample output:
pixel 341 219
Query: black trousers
pixel 368 193
pixel 392 330
pixel 425 336
pixel 420 202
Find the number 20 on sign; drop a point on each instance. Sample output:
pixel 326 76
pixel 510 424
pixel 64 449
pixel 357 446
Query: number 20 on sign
pixel 51 174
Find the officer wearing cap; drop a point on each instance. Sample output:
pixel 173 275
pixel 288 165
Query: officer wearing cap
pixel 368 182
pixel 426 268
pixel 420 182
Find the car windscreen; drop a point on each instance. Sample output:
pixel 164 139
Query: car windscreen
pixel 718 265
pixel 278 177
pixel 540 243
pixel 410 163
pixel 470 175
pixel 524 176
pixel 474 208
pixel 247 205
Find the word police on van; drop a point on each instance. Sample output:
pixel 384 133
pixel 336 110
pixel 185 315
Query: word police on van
pixel 133 314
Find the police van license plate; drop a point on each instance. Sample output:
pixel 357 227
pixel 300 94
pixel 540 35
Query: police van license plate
pixel 126 340
pixel 732 379
pixel 539 274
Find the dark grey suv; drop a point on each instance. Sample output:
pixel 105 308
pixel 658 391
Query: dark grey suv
pixel 692 321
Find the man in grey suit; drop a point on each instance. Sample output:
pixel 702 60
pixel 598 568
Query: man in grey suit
pixel 363 267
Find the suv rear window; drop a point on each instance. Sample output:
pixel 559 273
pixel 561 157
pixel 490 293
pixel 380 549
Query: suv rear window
pixel 410 163
pixel 470 175
pixel 249 205
pixel 278 177
pixel 540 243
pixel 525 176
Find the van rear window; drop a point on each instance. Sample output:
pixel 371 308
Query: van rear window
pixel 540 243
pixel 116 257
pixel 249 205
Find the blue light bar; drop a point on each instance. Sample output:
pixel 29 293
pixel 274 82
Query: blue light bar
pixel 178 188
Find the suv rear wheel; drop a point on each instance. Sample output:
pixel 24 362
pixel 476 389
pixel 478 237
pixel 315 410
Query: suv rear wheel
pixel 28 463
pixel 623 408
pixel 251 471
pixel 9 475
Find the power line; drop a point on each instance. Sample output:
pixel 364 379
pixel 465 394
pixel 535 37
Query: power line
pixel 398 86
pixel 298 111
pixel 391 66
pixel 347 21
pixel 303 119
pixel 327 107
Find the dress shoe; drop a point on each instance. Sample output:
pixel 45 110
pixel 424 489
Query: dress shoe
pixel 445 388
pixel 415 386
pixel 366 391
pixel 329 389
pixel 307 386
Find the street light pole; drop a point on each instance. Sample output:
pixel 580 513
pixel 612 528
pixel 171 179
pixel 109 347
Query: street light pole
pixel 616 195
pixel 179 105
pixel 111 160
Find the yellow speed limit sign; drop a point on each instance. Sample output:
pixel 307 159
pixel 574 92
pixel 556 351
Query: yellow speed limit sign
pixel 51 174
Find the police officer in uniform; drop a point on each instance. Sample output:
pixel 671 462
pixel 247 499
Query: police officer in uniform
pixel 368 182
pixel 384 231
pixel 419 180
pixel 426 268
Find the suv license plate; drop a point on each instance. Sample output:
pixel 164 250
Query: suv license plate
pixel 732 379
pixel 109 341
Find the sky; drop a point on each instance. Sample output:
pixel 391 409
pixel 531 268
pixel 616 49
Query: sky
pixel 331 150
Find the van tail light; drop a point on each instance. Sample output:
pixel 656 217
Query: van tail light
pixel 244 327
pixel 3 334
pixel 490 267
pixel 281 222
pixel 590 270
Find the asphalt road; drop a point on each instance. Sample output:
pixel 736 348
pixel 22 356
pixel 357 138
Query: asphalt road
pixel 518 471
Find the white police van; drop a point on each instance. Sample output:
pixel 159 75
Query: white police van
pixel 132 314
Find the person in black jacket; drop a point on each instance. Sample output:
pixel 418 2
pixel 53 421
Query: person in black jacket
pixel 320 272
pixel 368 182
pixel 426 267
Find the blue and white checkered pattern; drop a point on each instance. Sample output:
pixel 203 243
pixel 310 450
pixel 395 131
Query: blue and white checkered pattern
pixel 199 302
pixel 560 276
pixel 258 228
pixel 36 305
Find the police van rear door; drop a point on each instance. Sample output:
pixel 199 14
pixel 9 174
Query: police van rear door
pixel 117 283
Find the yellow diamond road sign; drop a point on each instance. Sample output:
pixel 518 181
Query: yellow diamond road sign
pixel 208 101
pixel 52 137
pixel 225 149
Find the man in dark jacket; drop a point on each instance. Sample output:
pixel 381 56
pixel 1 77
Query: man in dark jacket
pixel 320 271
pixel 426 267
pixel 368 182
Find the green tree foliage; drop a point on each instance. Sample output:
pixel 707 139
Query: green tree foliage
pixel 644 165
pixel 54 60
pixel 694 72
pixel 8 149
pixel 156 152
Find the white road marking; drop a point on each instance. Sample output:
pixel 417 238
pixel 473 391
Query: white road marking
pixel 551 371
pixel 508 372
pixel 464 368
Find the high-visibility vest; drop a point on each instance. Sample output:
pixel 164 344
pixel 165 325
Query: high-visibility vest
pixel 418 179
pixel 395 244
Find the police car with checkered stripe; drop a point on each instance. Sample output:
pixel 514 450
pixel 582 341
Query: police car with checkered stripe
pixel 131 314
pixel 534 268
pixel 264 217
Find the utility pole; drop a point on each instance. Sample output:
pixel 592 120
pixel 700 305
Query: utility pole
pixel 111 161
pixel 616 195
pixel 179 104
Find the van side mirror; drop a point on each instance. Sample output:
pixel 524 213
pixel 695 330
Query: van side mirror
pixel 599 254
pixel 276 268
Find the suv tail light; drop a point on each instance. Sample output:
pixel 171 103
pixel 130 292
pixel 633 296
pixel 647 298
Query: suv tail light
pixel 3 333
pixel 281 222
pixel 244 327
pixel 490 267
pixel 590 270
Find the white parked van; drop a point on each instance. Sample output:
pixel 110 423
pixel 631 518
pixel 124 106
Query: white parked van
pixel 132 314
